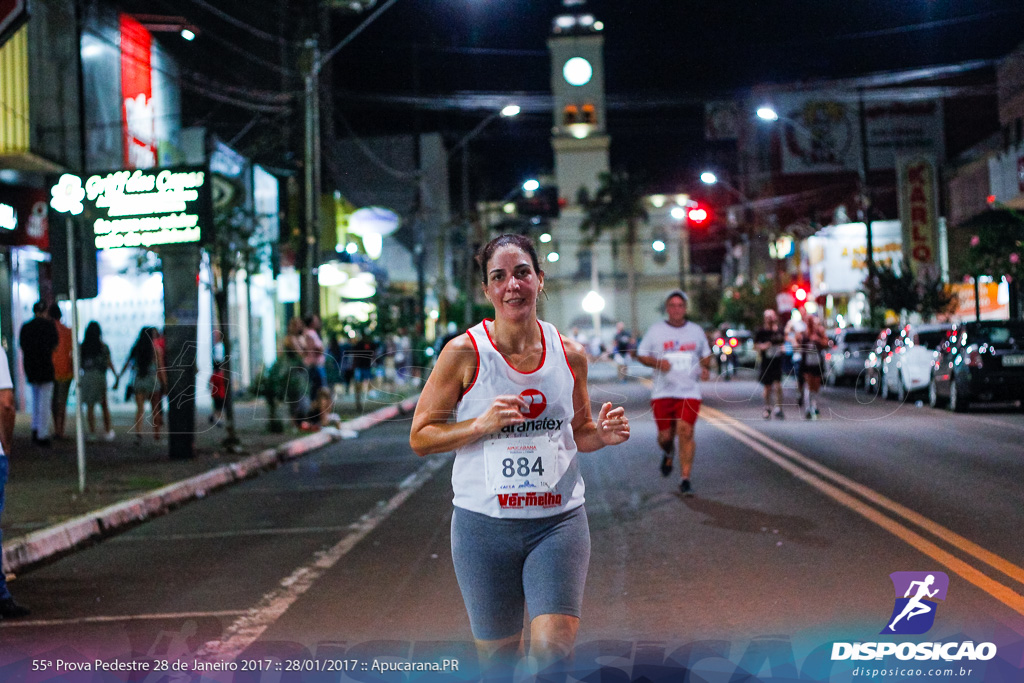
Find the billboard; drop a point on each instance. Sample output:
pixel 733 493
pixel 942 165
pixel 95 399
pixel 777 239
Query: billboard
pixel 147 208
pixel 821 133
pixel 137 94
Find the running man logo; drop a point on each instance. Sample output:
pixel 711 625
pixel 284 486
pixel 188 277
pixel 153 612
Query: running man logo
pixel 916 595
pixel 535 403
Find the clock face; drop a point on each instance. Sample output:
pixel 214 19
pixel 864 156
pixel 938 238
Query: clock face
pixel 577 71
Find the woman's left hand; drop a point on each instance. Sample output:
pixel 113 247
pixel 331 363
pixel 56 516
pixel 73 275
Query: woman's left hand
pixel 612 425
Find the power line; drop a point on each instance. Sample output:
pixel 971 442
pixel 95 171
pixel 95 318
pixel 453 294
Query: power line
pixel 238 23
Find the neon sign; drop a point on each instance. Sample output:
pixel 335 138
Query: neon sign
pixel 146 208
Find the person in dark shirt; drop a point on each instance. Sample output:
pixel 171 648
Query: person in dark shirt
pixel 769 341
pixel 363 352
pixel 38 339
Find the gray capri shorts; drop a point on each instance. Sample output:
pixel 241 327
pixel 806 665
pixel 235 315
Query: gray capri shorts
pixel 503 563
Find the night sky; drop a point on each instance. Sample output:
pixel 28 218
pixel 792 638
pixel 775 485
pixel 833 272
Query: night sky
pixel 676 52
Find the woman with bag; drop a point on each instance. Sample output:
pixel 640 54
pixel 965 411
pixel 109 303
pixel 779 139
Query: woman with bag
pixel 95 357
pixel 148 380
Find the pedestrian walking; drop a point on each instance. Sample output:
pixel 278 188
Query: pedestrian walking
pixel 313 355
pixel 518 393
pixel 679 352
pixel 9 609
pixel 63 372
pixel 769 341
pixel 364 353
pixel 794 328
pixel 811 342
pixel 147 380
pixel 622 349
pixel 96 360
pixel 38 340
pixel 218 392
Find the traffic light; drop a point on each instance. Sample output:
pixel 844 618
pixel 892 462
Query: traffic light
pixel 800 293
pixel 699 216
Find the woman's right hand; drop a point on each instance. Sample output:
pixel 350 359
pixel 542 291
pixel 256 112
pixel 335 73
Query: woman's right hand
pixel 506 410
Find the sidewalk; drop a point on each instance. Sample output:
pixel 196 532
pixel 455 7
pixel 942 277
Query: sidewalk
pixel 45 514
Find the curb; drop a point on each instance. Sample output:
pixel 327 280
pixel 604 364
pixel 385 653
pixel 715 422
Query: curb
pixel 60 539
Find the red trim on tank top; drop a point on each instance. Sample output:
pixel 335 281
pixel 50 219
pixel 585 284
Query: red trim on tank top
pixel 543 346
pixel 476 373
pixel 566 356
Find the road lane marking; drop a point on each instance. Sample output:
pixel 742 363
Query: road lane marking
pixel 250 626
pixel 1005 566
pixel 238 533
pixel 115 619
pixel 1003 593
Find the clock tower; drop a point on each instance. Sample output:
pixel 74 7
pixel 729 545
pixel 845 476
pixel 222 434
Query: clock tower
pixel 579 134
pixel 580 142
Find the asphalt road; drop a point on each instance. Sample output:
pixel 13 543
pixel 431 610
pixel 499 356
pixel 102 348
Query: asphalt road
pixel 342 558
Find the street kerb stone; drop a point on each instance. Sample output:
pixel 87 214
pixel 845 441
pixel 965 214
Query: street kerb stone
pixel 243 469
pixel 48 543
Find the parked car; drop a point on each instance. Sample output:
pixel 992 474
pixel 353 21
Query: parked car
pixel 733 348
pixel 844 359
pixel 875 361
pixel 908 369
pixel 980 361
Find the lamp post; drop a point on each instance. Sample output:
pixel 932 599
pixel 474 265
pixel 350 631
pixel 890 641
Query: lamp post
pixel 508 111
pixel 710 178
pixel 67 196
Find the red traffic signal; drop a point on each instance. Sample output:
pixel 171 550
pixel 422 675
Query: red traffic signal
pixel 698 216
pixel 800 294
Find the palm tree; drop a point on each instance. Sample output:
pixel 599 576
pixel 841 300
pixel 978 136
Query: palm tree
pixel 618 206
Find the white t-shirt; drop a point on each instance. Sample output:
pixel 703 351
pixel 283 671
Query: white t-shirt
pixel 684 347
pixel 5 379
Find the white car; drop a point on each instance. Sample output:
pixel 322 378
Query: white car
pixel 908 368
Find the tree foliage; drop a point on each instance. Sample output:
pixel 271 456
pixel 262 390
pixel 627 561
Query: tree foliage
pixel 744 304
pixel 996 244
pixel 891 289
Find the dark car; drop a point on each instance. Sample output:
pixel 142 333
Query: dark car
pixel 980 361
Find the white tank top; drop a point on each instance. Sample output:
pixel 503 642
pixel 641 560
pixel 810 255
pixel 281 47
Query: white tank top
pixel 527 470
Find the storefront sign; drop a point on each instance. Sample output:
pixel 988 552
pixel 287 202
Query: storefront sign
pixel 919 213
pixel 148 208
pixel 8 217
pixel 24 217
pixel 137 94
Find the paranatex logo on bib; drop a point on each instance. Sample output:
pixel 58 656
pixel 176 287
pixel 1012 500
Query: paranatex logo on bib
pixel 536 402
pixel 913 614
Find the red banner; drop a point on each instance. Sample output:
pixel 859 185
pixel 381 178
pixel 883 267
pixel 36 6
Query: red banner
pixel 137 94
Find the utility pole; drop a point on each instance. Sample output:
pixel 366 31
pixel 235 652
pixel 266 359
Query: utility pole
pixel 311 164
pixel 865 188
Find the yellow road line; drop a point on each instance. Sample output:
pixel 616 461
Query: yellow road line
pixel 1000 592
pixel 973 549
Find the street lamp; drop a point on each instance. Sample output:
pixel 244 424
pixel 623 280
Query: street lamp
pixel 709 178
pixel 767 113
pixel 508 111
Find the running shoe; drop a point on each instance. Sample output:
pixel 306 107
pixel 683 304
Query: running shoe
pixel 685 488
pixel 767 414
pixel 666 465
pixel 779 415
